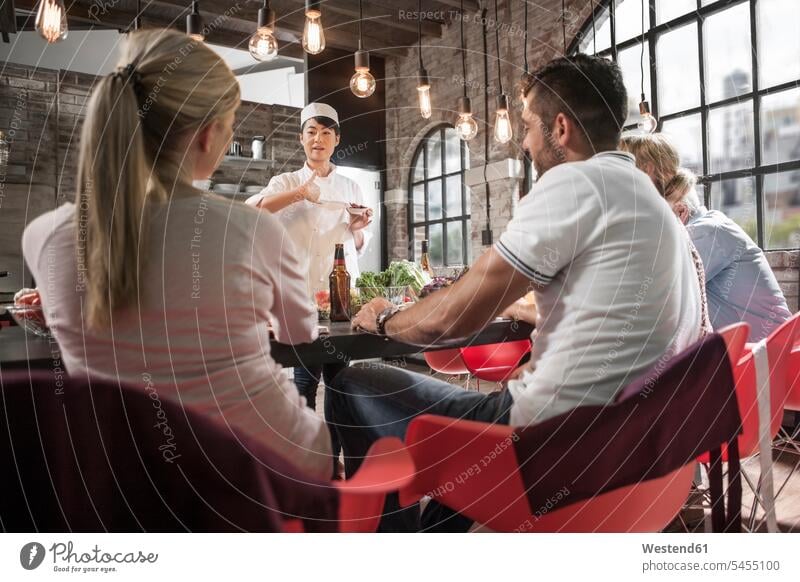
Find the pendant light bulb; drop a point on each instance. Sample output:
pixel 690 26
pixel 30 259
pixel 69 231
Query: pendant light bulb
pixel 425 101
pixel 194 24
pixel 263 45
pixel 503 132
pixel 362 83
pixel 313 34
pixel 647 123
pixel 51 20
pixel 466 127
pixel 424 94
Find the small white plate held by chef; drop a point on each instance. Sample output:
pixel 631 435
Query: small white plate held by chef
pixel 355 209
pixel 337 205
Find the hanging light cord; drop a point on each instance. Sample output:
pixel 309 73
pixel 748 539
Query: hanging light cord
pixel 463 51
pixel 419 31
pixel 641 58
pixel 525 39
pixel 564 24
pixel 487 188
pixel 594 30
pixel 360 19
pixel 497 42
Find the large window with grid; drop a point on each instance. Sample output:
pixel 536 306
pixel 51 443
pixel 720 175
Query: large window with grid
pixel 723 79
pixel 438 203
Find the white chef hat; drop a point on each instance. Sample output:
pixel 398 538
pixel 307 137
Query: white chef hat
pixel 318 110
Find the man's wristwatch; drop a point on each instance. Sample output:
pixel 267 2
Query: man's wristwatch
pixel 383 317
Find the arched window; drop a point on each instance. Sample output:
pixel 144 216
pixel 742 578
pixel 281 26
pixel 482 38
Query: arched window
pixel 723 79
pixel 438 204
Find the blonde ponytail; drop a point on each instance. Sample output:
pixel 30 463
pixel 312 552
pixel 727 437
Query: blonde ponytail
pixel 167 84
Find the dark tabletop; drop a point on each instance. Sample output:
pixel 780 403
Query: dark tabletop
pixel 20 350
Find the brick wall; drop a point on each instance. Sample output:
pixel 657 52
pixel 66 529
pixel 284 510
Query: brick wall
pixel 28 117
pixel 42 112
pixel 405 127
pixel 786 266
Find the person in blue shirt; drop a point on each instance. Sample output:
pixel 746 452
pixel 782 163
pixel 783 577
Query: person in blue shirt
pixel 740 286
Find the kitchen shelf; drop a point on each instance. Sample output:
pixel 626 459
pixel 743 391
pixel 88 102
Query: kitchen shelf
pixel 247 162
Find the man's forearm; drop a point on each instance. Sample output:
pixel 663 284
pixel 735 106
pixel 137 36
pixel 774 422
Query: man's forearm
pixel 422 323
pixel 466 307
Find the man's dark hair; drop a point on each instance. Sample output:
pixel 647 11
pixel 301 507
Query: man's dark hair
pixel 326 122
pixel 588 89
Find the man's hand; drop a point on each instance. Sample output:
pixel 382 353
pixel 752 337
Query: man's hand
pixel 367 316
pixel 521 310
pixel 518 371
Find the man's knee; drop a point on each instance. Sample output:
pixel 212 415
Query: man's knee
pixel 347 381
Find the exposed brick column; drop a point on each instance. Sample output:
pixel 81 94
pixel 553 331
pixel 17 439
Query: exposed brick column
pixel 786 266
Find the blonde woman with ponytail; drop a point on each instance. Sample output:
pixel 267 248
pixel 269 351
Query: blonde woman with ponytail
pixel 739 284
pixel 154 283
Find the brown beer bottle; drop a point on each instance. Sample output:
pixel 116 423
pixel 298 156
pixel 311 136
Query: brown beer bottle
pixel 425 260
pixel 339 282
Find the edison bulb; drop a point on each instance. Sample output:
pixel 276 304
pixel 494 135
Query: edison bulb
pixel 466 127
pixel 424 92
pixel 51 20
pixel 313 35
pixel 262 45
pixel 502 127
pixel 362 83
pixel 647 123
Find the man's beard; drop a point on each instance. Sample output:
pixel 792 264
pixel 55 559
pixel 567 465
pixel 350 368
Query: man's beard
pixel 548 157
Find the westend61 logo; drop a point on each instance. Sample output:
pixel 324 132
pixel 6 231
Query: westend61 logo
pixel 65 559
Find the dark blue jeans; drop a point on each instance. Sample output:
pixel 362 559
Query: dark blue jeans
pixel 307 378
pixel 370 403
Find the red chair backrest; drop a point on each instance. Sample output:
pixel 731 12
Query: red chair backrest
pixel 793 381
pixel 446 361
pixel 473 465
pixel 457 460
pixel 735 337
pixel 83 455
pixel 494 362
pixel 474 468
pixel 779 346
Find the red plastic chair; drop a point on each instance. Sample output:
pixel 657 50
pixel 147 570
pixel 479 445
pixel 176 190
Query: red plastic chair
pixel 386 468
pixel 495 362
pixel 447 451
pixel 495 496
pixel 779 346
pixel 735 337
pixel 792 401
pixel 789 442
pixel 446 361
pixel 218 480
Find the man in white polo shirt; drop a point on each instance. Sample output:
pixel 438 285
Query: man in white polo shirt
pixel 311 204
pixel 603 253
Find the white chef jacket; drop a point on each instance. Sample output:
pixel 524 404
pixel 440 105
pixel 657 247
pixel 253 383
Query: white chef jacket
pixel 316 230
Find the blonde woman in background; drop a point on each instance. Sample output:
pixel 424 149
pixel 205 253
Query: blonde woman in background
pixel 740 286
pixel 154 283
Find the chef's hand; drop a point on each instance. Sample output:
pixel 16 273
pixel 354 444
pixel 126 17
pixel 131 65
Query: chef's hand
pixel 361 221
pixel 366 318
pixel 309 190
